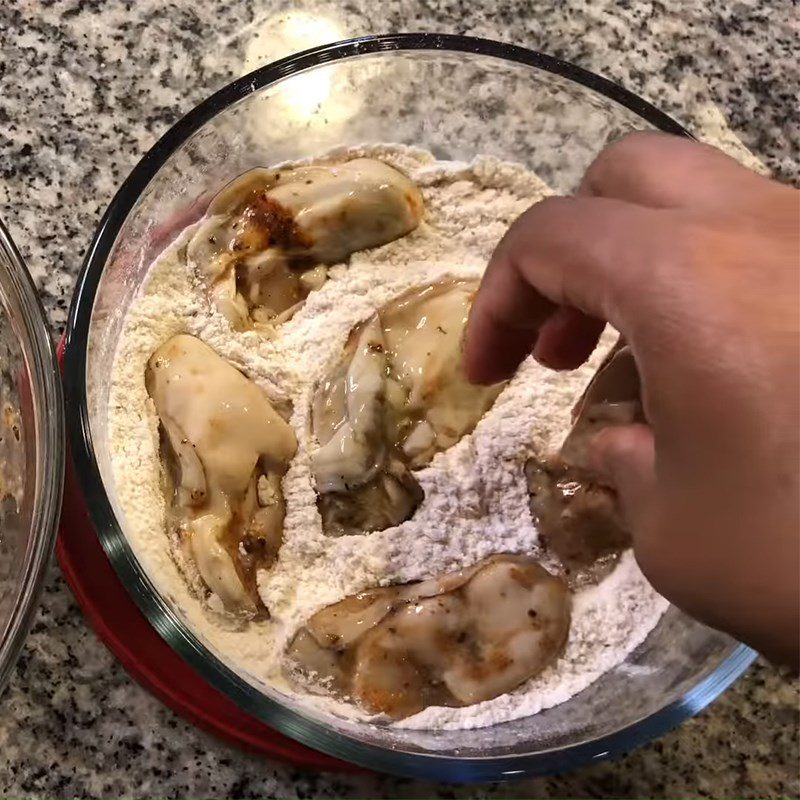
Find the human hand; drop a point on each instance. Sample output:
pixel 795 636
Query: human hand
pixel 695 260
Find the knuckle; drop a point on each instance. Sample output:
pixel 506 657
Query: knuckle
pixel 627 153
pixel 540 216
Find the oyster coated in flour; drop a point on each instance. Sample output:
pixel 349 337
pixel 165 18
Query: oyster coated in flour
pixel 225 449
pixel 397 397
pixel 579 519
pixel 454 640
pixel 271 233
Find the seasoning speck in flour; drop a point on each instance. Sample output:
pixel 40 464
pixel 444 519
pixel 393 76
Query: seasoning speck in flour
pixel 475 498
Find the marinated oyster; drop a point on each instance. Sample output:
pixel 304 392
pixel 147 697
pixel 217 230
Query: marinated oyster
pixel 455 640
pixel 224 450
pixel 271 233
pixel 577 517
pixel 396 398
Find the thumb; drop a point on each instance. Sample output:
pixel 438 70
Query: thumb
pixel 624 457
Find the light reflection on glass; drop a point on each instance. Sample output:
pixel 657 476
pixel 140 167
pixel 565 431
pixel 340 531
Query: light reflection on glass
pixel 312 96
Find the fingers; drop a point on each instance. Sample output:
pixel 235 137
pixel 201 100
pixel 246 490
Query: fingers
pixel 567 338
pixel 588 254
pixel 664 171
pixel 502 331
pixel 624 457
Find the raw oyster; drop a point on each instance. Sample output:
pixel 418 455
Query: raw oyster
pixel 577 517
pixel 396 398
pixel 456 640
pixel 271 233
pixel 224 449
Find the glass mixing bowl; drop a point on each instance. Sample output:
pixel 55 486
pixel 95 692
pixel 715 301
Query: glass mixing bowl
pixel 31 451
pixel 456 97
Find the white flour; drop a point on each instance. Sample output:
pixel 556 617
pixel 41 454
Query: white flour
pixel 475 498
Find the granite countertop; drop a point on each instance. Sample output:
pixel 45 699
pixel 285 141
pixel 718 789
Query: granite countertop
pixel 86 87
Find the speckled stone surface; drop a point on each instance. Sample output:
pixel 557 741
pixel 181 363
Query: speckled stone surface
pixel 85 88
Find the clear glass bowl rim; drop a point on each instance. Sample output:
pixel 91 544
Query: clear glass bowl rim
pixel 306 731
pixel 48 418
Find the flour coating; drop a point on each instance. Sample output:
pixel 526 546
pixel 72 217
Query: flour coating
pixel 475 502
